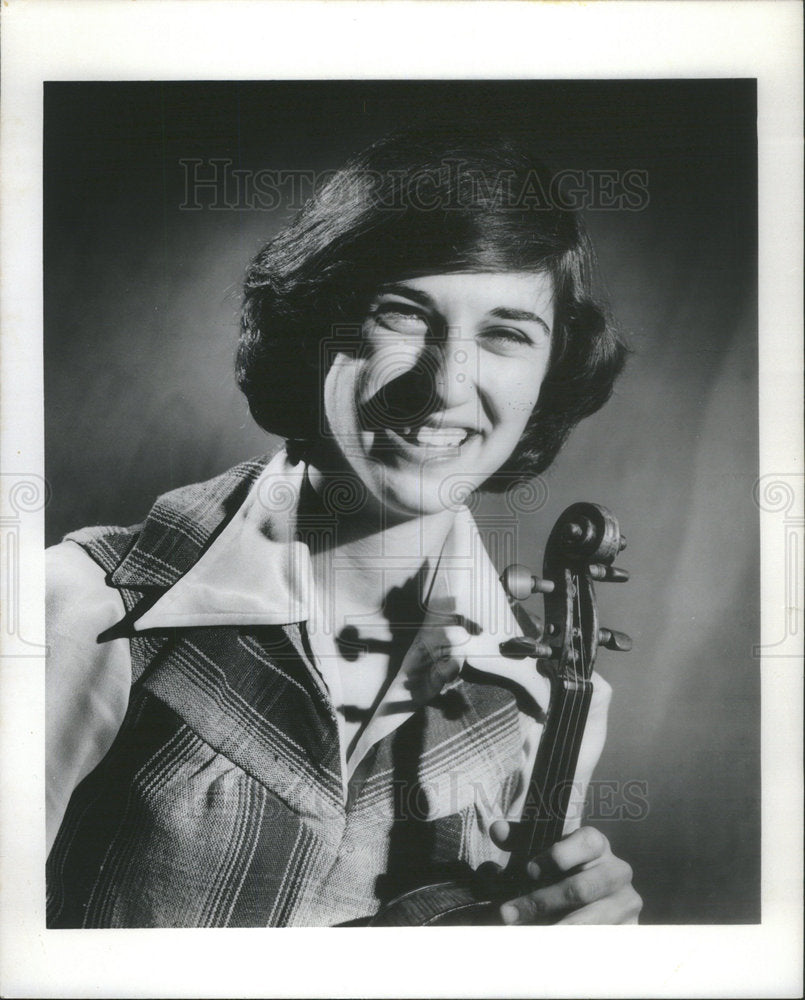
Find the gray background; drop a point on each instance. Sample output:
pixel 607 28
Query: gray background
pixel 141 303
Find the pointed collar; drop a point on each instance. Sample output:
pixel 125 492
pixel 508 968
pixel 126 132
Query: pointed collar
pixel 181 524
pixel 255 572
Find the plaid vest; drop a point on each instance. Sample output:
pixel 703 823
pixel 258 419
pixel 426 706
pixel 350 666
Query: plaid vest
pixel 220 802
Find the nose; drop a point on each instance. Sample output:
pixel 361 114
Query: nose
pixel 454 370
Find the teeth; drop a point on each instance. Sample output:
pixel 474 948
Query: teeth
pixel 441 437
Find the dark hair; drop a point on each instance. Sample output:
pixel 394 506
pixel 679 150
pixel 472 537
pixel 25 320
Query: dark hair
pixel 417 204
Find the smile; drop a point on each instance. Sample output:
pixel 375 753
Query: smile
pixel 427 441
pixel 436 437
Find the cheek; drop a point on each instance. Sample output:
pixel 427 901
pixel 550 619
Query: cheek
pixel 341 388
pixel 516 395
pixel 383 363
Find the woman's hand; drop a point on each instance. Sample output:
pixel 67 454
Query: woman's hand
pixel 580 882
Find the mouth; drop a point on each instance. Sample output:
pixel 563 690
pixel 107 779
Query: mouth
pixel 427 439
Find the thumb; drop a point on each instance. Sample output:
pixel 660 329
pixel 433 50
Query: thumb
pixel 500 832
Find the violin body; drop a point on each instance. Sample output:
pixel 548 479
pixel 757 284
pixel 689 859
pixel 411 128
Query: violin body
pixel 459 903
pixel 580 549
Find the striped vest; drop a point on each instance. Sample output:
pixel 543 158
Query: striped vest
pixel 220 802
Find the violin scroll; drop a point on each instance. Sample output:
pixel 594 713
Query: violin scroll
pixel 581 549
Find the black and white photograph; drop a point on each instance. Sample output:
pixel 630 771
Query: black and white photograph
pixel 401 506
pixel 296 690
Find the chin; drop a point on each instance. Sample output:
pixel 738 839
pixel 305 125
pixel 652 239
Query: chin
pixel 422 492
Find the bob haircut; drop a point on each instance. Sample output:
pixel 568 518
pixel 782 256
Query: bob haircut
pixel 413 204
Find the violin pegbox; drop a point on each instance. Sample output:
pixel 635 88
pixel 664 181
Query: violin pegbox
pixel 581 548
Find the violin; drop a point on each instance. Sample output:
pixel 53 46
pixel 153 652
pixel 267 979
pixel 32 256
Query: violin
pixel 581 549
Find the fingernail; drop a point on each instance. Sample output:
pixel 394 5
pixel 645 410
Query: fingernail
pixel 533 869
pixel 508 913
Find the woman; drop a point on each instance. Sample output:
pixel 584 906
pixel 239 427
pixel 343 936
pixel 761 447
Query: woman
pixel 281 699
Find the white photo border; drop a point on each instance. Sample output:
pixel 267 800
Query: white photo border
pixel 211 39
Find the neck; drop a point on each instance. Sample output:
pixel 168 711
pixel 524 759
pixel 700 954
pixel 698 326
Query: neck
pixel 369 554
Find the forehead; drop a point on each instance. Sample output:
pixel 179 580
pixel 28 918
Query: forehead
pixel 483 291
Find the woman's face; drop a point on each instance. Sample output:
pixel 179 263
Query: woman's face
pixel 439 393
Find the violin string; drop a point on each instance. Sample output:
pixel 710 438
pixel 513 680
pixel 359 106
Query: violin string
pixel 545 801
pixel 566 732
pixel 571 732
pixel 560 729
pixel 579 724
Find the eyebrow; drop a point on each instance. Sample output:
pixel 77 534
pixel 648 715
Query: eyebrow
pixel 499 312
pixel 409 293
pixel 519 315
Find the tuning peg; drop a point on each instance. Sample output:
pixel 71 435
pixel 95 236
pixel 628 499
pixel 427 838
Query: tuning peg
pixel 523 646
pixel 610 639
pixel 519 582
pixel 610 574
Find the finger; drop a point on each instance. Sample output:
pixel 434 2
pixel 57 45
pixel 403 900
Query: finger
pixel 488 878
pixel 582 847
pixel 510 836
pixel 622 907
pixel 547 904
pixel 488 869
pixel 501 833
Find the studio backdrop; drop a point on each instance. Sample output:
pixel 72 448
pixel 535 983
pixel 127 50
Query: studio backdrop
pixel 157 196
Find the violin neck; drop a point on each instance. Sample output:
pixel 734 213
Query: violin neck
pixel 549 791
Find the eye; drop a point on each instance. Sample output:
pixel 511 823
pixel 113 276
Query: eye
pixel 506 337
pixel 400 318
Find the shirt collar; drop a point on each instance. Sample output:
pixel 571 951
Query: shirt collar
pixel 255 572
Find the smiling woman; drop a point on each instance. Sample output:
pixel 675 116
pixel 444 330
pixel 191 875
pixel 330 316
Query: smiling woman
pixel 370 228
pixel 282 699
pixel 441 386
